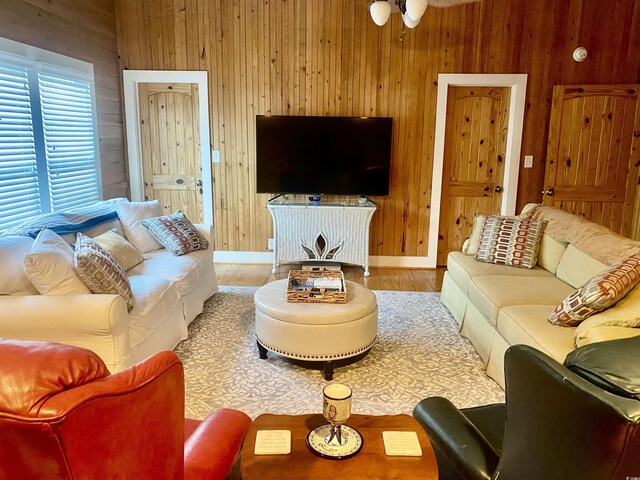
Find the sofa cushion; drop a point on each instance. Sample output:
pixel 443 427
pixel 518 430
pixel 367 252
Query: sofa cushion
pixel 463 267
pixel 576 267
pixel 131 215
pixel 490 293
pixel 100 271
pixel 599 293
pixel 49 266
pixel 153 297
pixel 551 252
pixel 14 280
pixel 147 290
pixel 510 241
pixel 117 246
pixel 183 270
pixel 527 324
pixel 176 233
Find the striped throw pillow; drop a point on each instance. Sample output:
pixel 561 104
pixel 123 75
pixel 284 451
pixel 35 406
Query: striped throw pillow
pixel 601 292
pixel 176 233
pixel 510 241
pixel 100 271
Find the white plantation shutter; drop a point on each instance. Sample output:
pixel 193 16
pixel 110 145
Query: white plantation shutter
pixel 48 150
pixel 19 192
pixel 69 138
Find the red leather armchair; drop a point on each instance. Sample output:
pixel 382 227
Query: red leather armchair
pixel 63 416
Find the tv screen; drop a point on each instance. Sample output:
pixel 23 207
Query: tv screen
pixel 323 155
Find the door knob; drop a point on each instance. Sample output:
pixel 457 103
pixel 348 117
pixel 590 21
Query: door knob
pixel 497 189
pixel 199 183
pixel 548 193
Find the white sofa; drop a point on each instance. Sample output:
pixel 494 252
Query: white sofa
pixel 169 292
pixel 498 306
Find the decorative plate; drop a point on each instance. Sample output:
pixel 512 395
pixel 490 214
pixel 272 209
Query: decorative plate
pixel 352 442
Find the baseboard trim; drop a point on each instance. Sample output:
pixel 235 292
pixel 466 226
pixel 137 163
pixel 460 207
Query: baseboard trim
pixel 397 261
pixel 223 256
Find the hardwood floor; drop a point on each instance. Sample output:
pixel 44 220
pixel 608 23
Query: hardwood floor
pixel 413 280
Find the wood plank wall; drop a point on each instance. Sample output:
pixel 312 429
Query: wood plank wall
pixel 310 57
pixel 86 30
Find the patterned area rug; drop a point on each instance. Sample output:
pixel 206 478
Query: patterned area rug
pixel 418 354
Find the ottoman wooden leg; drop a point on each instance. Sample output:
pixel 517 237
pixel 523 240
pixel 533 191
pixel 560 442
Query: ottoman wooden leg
pixel 328 370
pixel 262 351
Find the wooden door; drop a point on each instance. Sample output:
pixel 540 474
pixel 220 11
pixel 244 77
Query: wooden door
pixel 170 145
pixel 593 154
pixel 473 164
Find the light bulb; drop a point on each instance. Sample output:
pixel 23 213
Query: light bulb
pixel 415 9
pixel 408 21
pixel 380 12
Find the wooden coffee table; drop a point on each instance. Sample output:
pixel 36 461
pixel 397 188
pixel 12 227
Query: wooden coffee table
pixel 370 463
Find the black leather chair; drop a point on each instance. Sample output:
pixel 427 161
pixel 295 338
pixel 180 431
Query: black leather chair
pixel 555 425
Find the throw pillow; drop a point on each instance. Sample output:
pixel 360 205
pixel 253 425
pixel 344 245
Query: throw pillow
pixel 510 241
pixel 625 313
pixel 599 293
pixel 100 271
pixel 14 280
pixel 474 239
pixel 115 245
pixel 131 215
pixel 49 266
pixel 176 233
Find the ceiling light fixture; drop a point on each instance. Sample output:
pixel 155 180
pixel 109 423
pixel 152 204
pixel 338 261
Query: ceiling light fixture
pixel 411 10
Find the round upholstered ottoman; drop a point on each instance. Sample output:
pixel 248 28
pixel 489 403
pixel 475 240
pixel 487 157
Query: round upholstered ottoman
pixel 319 332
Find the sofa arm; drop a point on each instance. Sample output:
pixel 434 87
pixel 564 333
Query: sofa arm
pixel 97 322
pixel 206 231
pixel 213 448
pixel 458 444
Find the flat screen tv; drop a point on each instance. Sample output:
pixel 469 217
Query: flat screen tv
pixel 323 155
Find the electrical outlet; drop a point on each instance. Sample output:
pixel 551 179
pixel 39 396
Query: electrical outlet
pixel 270 244
pixel 528 161
pixel 215 156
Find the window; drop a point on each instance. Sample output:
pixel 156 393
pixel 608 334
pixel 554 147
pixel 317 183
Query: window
pixel 48 148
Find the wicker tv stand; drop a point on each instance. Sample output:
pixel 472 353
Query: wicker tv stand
pixel 322 231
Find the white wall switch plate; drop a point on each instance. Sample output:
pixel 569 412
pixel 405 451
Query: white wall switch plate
pixel 528 161
pixel 215 156
pixel 270 244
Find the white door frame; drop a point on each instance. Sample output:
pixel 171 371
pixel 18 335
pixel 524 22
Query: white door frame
pixel 518 85
pixel 131 78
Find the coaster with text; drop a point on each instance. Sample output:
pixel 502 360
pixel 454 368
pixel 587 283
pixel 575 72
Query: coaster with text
pixel 273 442
pixel 401 444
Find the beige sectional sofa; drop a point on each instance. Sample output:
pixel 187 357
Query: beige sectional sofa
pixel 498 306
pixel 169 292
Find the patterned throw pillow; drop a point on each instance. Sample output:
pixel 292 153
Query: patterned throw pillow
pixel 176 233
pixel 100 271
pixel 510 241
pixel 601 292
